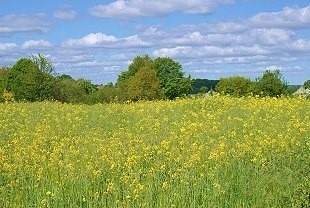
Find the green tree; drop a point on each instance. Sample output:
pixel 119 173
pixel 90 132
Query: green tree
pixel 138 63
pixel 27 82
pixel 171 78
pixel 44 64
pixel 65 77
pixel 203 90
pixel 87 86
pixel 144 85
pixel 307 84
pixel 168 73
pixel 3 80
pixel 69 91
pixel 271 84
pixel 235 86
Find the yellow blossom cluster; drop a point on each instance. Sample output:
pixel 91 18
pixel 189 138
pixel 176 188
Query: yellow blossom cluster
pixel 197 152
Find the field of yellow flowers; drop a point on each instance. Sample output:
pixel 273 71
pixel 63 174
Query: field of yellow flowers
pixel 199 152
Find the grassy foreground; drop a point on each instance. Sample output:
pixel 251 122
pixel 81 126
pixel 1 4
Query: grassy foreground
pixel 211 152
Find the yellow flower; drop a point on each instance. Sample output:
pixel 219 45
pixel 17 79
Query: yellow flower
pixel 165 185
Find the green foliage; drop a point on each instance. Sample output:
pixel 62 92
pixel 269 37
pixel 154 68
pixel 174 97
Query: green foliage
pixel 292 88
pixel 307 84
pixel 203 90
pixel 65 77
pixel 110 94
pixel 198 83
pixel 171 78
pixel 87 86
pixel 70 91
pixel 144 85
pixel 28 83
pixel 271 84
pixel 236 86
pixel 168 73
pixel 3 80
pixel 301 196
pixel 44 64
pixel 138 63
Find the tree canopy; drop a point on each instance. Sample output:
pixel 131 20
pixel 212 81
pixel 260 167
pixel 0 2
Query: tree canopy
pixel 138 63
pixel 168 73
pixel 236 86
pixel 43 63
pixel 27 82
pixel 144 85
pixel 271 84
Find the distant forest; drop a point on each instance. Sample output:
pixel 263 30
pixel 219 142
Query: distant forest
pixel 201 85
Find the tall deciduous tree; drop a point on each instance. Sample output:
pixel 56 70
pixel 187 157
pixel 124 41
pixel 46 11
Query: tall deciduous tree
pixel 144 85
pixel 171 77
pixel 138 63
pixel 271 84
pixel 27 82
pixel 43 63
pixel 168 73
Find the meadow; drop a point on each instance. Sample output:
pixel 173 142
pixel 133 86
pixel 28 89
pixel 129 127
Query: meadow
pixel 199 152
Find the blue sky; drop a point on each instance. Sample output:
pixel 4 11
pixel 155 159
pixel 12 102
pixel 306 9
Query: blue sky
pixel 97 40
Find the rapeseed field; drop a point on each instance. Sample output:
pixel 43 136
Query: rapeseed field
pixel 200 152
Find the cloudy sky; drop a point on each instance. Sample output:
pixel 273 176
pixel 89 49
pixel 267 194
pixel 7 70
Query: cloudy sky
pixel 97 40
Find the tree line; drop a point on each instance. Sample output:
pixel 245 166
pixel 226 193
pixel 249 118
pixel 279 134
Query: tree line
pixel 271 84
pixel 34 79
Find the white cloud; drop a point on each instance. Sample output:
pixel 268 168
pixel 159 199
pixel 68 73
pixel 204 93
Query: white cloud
pixel 272 36
pixel 7 46
pixel 149 8
pixel 286 18
pixel 256 70
pixel 120 56
pixel 213 27
pixel 225 27
pixel 281 68
pixel 133 41
pixel 152 31
pixel 244 59
pixel 179 51
pixel 213 51
pixel 192 38
pixel 36 44
pixel 273 68
pixel 19 23
pixel 91 40
pixel 300 45
pixel 100 40
pixel 88 64
pixel 65 15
